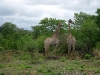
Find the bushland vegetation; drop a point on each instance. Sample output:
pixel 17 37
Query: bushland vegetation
pixel 18 44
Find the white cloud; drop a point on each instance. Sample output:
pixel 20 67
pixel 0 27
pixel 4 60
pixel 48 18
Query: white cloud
pixel 25 13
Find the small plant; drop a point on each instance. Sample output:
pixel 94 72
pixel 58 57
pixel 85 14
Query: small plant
pixel 82 66
pixel 28 66
pixel 63 59
pixel 59 73
pixel 84 74
pixel 22 65
pixel 9 65
pixel 40 60
pixel 41 70
pixel 25 57
pixel 2 73
pixel 31 50
pixel 1 66
pixel 87 56
pixel 1 49
pixel 97 71
pixel 76 62
pixel 49 70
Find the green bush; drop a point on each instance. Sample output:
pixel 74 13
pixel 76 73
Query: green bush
pixel 87 56
pixel 41 70
pixel 62 59
pixel 1 66
pixel 40 60
pixel 62 46
pixel 2 74
pixel 40 43
pixel 79 45
pixel 98 45
pixel 1 49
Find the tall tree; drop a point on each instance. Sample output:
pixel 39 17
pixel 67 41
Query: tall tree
pixel 46 27
pixel 98 18
pixel 98 22
pixel 8 29
pixel 80 18
pixel 87 30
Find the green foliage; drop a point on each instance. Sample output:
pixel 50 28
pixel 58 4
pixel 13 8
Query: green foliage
pixel 89 33
pixel 1 66
pixel 80 45
pixel 40 70
pixel 49 67
pixel 1 49
pixel 13 38
pixel 46 27
pixel 8 29
pixel 87 56
pixel 40 43
pixel 62 59
pixel 62 46
pixel 98 45
pixel 2 74
pixel 40 60
pixel 98 18
pixel 86 31
pixel 80 18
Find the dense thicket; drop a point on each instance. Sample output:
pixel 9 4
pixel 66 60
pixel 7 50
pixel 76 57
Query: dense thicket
pixel 86 31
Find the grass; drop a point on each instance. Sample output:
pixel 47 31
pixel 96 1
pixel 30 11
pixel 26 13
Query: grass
pixel 21 65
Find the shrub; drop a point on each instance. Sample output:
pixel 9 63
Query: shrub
pixel 40 43
pixel 1 66
pixel 2 74
pixel 1 49
pixel 41 70
pixel 79 45
pixel 98 45
pixel 62 59
pixel 87 56
pixel 40 60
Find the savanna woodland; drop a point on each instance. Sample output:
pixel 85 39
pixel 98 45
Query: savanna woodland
pixel 22 51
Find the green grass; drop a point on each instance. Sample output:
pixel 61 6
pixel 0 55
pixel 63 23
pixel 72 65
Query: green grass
pixel 21 65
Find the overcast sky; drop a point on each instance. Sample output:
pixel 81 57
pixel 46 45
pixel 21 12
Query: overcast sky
pixel 27 13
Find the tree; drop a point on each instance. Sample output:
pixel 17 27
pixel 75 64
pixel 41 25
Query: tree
pixel 8 30
pixel 80 18
pixel 46 27
pixel 98 18
pixel 86 31
pixel 89 33
pixel 14 38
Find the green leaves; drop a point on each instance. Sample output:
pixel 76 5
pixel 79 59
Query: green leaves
pixel 80 18
pixel 8 29
pixel 98 18
pixel 87 30
pixel 46 27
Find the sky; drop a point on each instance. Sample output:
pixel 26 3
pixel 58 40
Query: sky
pixel 27 13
